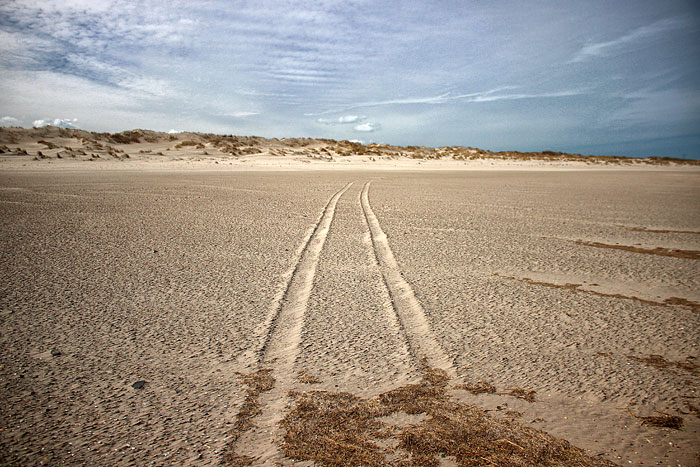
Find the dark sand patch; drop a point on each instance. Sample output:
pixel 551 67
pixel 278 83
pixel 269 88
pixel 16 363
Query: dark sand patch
pixel 671 301
pixel 644 229
pixel 660 251
pixel 661 363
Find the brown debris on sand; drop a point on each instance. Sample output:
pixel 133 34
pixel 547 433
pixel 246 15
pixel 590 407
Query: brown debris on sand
pixel 661 363
pixel 662 421
pixel 481 387
pixel 683 302
pixel 524 394
pixel 671 301
pixel 337 428
pixel 660 251
pixel 307 378
pixel 257 382
pixel 644 229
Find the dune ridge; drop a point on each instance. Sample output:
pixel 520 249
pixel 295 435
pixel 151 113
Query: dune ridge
pixel 68 146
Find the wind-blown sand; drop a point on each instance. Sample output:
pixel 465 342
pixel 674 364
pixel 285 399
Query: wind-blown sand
pixel 355 281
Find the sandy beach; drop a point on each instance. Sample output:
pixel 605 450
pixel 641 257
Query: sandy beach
pixel 349 233
pixel 176 312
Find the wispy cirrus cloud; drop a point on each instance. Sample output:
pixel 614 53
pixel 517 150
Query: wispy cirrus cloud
pixel 483 96
pixel 672 107
pixel 509 97
pixel 643 33
pixel 94 41
pixel 240 114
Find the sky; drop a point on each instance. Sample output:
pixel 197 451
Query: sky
pixel 589 77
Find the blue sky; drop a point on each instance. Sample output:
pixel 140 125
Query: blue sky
pixel 590 77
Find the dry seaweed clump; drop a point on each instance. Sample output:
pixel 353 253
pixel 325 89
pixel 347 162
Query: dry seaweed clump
pixel 481 387
pixel 524 394
pixel 339 429
pixel 307 378
pixel 663 421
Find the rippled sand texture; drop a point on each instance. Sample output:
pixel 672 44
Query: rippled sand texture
pixel 581 286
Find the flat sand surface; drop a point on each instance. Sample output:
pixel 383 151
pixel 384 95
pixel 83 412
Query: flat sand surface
pixel 580 285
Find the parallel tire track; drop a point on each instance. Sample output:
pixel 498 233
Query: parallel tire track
pixel 419 337
pixel 268 328
pixel 280 345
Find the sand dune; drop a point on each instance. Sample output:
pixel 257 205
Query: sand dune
pixel 258 304
pixel 51 147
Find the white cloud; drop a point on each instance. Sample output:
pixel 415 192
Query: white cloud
pixel 59 122
pixel 439 99
pixel 482 96
pixel 174 132
pixel 368 127
pixel 408 100
pixel 599 49
pixel 242 114
pixel 500 97
pixel 10 121
pixel 345 119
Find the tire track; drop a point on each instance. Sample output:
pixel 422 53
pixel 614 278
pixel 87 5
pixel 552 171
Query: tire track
pixel 268 328
pixel 280 345
pixel 419 337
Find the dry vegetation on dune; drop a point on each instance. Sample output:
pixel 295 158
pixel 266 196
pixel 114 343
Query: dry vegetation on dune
pixel 103 144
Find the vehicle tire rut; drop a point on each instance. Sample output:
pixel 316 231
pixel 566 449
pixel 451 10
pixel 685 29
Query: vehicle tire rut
pixel 410 314
pixel 280 346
